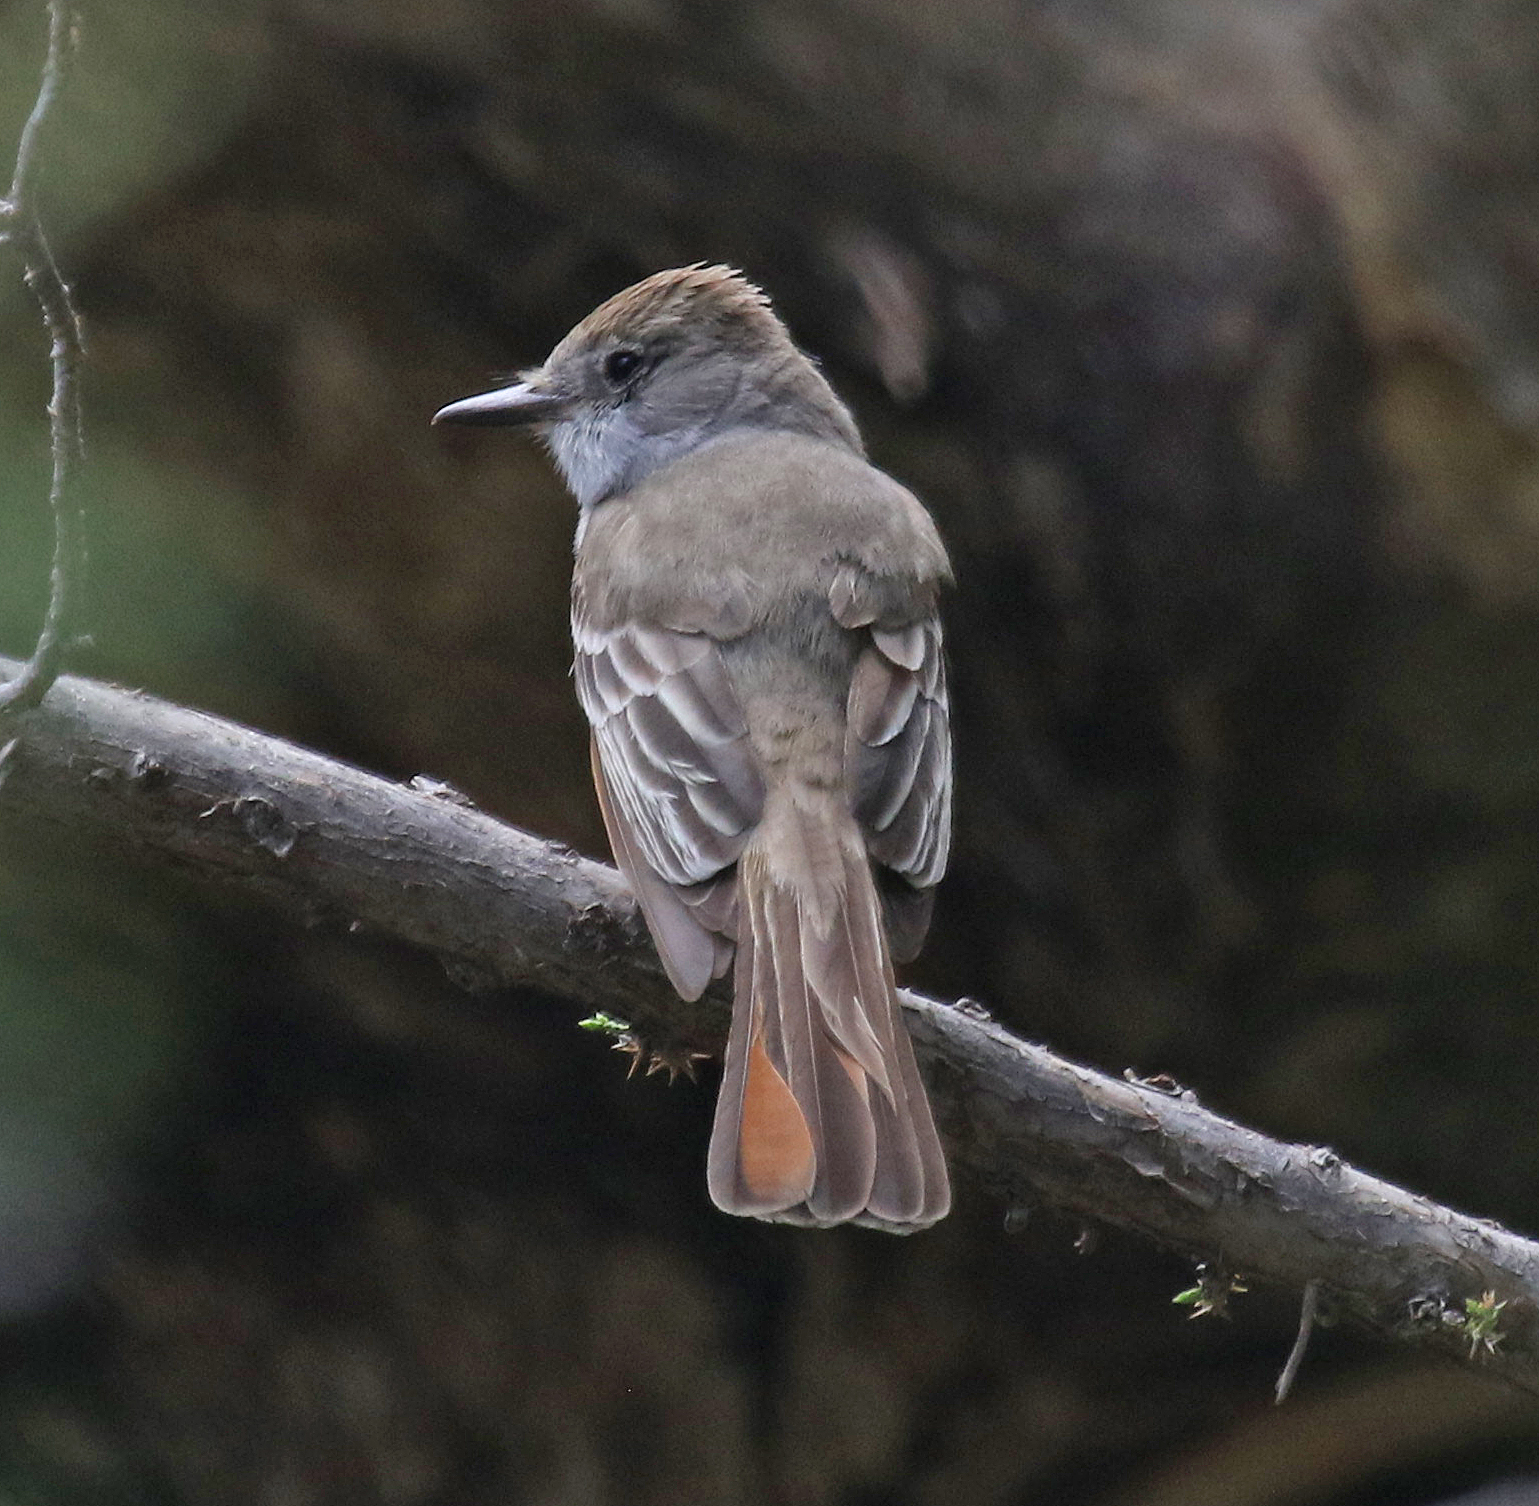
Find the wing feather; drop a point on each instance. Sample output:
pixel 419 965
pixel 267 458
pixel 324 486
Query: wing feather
pixel 898 756
pixel 679 782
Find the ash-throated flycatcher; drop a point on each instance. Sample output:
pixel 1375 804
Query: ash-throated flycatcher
pixel 758 652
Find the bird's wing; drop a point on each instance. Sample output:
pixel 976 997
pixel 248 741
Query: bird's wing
pixel 677 780
pixel 898 756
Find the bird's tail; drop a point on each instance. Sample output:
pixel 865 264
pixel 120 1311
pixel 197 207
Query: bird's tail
pixel 822 1118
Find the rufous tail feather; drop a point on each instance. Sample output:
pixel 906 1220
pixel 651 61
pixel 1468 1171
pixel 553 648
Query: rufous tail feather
pixel 822 1118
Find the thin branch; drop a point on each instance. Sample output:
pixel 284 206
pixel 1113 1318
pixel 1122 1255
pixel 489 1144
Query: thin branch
pixel 23 227
pixel 328 844
pixel 59 47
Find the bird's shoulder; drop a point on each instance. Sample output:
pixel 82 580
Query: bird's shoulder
pixel 718 540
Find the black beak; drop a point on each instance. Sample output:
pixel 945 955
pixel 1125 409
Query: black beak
pixel 517 403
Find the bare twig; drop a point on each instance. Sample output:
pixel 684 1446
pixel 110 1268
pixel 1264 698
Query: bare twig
pixel 329 844
pixel 23 227
pixel 1307 1311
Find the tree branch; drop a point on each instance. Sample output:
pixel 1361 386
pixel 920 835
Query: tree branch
pixel 21 224
pixel 329 844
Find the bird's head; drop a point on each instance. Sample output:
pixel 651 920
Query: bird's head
pixel 678 360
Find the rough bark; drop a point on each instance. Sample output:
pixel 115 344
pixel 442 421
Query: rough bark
pixel 331 844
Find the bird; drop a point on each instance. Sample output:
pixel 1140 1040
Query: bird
pixel 758 651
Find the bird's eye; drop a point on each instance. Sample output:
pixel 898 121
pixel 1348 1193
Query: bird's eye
pixel 621 365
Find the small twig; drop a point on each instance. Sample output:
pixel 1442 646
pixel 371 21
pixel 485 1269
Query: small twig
pixel 23 227
pixel 53 74
pixel 1307 1312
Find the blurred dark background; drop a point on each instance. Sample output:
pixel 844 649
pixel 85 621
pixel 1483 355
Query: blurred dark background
pixel 1208 329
